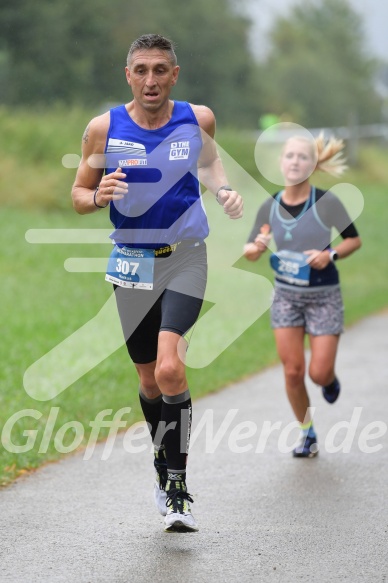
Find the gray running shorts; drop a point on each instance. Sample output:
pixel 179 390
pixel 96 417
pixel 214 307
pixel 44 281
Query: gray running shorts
pixel 173 305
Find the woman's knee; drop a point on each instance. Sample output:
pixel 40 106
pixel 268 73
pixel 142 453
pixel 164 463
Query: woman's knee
pixel 294 374
pixel 321 376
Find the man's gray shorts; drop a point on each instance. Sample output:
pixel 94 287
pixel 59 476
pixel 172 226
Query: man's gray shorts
pixel 319 311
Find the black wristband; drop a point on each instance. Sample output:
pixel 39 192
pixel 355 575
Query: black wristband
pixel 225 187
pixel 95 202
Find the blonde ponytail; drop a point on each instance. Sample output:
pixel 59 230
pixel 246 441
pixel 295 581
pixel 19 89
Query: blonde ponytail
pixel 330 155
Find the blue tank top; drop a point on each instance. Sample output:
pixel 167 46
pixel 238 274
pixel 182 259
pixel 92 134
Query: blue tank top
pixel 164 203
pixel 306 231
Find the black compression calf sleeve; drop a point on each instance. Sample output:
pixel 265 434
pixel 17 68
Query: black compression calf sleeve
pixel 176 415
pixel 152 410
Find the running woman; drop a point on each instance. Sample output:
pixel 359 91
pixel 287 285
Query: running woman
pixel 307 296
pixel 154 153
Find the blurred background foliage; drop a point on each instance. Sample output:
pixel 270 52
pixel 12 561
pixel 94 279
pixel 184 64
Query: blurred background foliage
pixel 316 70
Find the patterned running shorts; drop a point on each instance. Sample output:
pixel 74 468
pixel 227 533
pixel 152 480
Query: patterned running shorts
pixel 320 312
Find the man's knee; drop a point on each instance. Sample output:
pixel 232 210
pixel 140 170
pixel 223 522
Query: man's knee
pixel 166 371
pixel 170 375
pixel 148 385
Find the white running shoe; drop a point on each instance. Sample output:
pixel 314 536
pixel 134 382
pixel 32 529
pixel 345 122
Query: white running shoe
pixel 160 495
pixel 179 517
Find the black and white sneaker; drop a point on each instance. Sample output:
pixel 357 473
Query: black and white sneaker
pixel 178 517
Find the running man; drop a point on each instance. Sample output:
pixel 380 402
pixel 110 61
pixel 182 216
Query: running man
pixel 155 151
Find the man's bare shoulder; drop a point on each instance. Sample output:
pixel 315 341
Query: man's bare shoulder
pixel 205 118
pixel 97 128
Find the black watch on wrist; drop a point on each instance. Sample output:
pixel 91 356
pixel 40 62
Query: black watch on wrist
pixel 333 255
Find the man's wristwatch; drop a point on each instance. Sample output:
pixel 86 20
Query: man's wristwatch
pixel 333 255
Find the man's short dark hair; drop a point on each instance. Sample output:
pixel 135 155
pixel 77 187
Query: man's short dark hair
pixel 153 41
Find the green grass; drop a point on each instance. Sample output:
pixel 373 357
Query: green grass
pixel 42 304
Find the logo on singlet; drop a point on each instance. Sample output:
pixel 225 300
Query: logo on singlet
pixel 133 162
pixel 116 146
pixel 179 150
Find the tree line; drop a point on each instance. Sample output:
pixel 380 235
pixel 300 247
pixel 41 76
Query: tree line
pixel 72 52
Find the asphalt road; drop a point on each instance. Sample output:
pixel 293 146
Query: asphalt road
pixel 263 516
